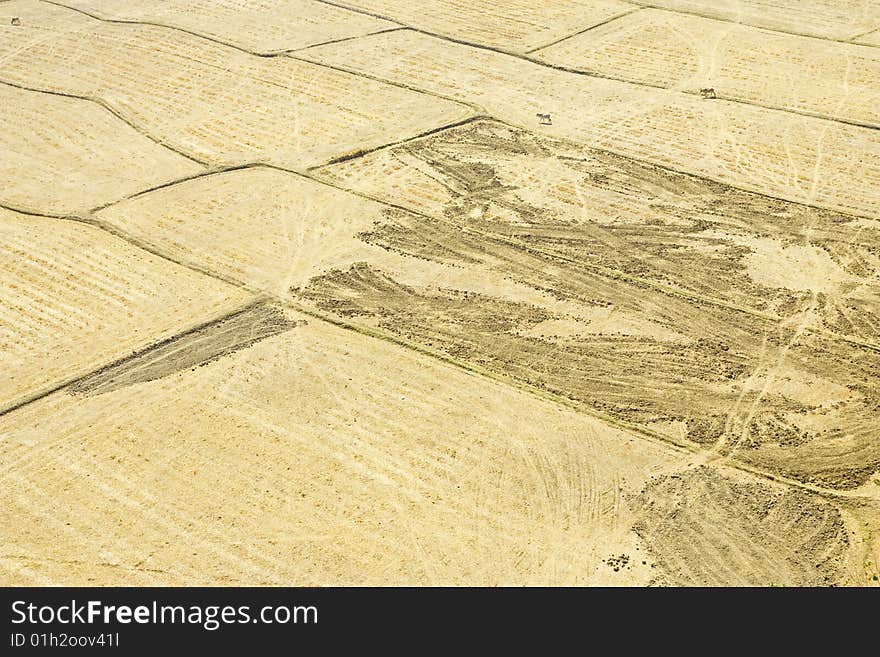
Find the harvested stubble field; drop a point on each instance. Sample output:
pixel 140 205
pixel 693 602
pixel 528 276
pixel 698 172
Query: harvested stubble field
pixel 304 292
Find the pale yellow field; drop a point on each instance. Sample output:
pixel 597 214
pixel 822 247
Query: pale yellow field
pixel 518 25
pixel 795 157
pixel 255 25
pixel 74 298
pixel 318 457
pixel 832 19
pixel 52 164
pixel 871 39
pixel 209 100
pixel 361 292
pixel 739 62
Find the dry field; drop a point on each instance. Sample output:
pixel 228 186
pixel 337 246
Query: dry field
pixel 743 63
pixel 871 39
pixel 800 158
pixel 318 455
pixel 287 228
pixel 303 292
pixel 73 296
pixel 53 164
pixel 840 20
pixel 662 284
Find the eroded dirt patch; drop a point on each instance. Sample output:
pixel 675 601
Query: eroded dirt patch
pixel 195 348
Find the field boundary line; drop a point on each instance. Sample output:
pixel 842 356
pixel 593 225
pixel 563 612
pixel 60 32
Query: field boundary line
pixel 166 26
pixel 262 296
pixel 372 332
pixel 274 54
pixel 33 213
pixel 523 56
pixel 375 78
pixel 608 272
pixel 646 85
pixel 637 5
pixel 212 171
pixel 109 108
pixel 229 44
pixel 216 171
pixel 695 92
pixel 864 34
pixel 367 151
pixel 365 12
pixel 477 114
pixel 649 5
pixel 526 56
pixel 342 39
pixel 483 111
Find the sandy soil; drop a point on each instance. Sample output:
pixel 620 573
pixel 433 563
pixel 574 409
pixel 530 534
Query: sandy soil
pixel 73 296
pixel 102 158
pixel 317 456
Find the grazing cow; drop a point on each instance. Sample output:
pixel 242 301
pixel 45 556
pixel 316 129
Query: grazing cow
pixel 708 92
pixel 544 119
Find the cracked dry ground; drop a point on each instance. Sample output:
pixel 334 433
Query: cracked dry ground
pixel 300 292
